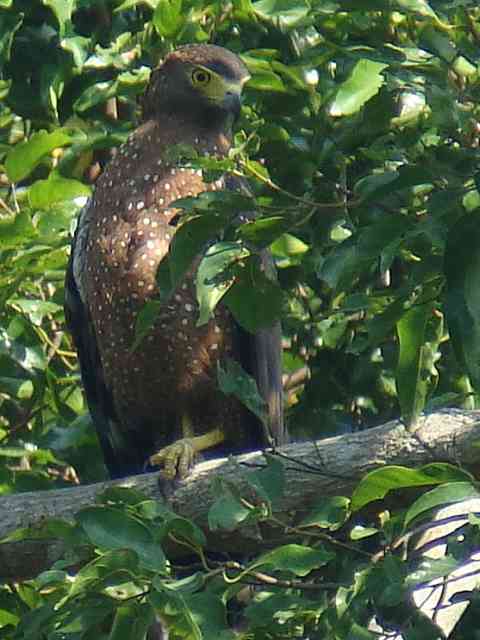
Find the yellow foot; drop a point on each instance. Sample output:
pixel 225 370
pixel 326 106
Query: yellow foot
pixel 177 458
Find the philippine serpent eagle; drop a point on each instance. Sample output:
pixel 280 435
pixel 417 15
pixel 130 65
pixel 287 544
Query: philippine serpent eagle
pixel 160 401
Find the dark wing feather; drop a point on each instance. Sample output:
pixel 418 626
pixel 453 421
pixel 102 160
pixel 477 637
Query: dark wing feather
pixel 99 399
pixel 267 370
pixel 262 351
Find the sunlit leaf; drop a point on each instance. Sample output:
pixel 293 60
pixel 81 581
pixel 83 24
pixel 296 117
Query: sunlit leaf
pixel 212 282
pixel 440 496
pixel 24 157
pixel 363 83
pixel 376 484
pixel 297 559
pixel 44 193
pixel 410 376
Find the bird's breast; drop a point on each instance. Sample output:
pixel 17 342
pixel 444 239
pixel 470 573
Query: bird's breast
pixel 130 233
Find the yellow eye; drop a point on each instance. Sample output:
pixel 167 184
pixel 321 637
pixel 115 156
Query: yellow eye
pixel 200 77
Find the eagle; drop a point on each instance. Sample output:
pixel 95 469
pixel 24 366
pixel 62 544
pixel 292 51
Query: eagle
pixel 159 404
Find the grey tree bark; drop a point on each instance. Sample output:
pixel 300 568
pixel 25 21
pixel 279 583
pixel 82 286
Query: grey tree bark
pixel 332 466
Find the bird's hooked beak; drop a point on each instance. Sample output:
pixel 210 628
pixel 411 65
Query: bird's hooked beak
pixel 232 99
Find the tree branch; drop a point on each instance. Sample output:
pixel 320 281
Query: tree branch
pixel 324 468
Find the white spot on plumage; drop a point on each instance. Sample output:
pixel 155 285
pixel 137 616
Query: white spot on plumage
pixel 146 221
pixel 140 205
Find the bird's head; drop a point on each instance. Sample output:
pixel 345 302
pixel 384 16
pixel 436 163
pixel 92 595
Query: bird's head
pixel 199 82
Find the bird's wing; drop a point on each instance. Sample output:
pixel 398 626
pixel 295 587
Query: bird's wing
pixel 263 357
pixel 80 325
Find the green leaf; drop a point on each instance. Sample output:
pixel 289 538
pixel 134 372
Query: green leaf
pixel 8 618
pixel 24 157
pixel 9 25
pixel 113 529
pixel 289 246
pixel 355 256
pixel 36 310
pixel 44 193
pixel 282 13
pixel 132 621
pixel 431 569
pixel 145 321
pixel 186 529
pixel 17 387
pixel 410 374
pixel 360 532
pixel 128 83
pixel 168 18
pixel 264 231
pixel 212 283
pixel 273 608
pixel 227 512
pixel 172 606
pixel 328 513
pixel 62 10
pixel 15 229
pixel 363 83
pixel 376 484
pixel 297 559
pixel 441 496
pixel 269 482
pixel 117 565
pixel 188 242
pixel 254 299
pixel 462 270
pixel 234 379
pixel 209 612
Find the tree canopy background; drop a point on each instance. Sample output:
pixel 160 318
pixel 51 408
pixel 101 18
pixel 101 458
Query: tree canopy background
pixel 359 137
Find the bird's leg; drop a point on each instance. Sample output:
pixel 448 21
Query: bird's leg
pixel 177 458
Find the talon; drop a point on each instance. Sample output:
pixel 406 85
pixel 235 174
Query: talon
pixel 177 459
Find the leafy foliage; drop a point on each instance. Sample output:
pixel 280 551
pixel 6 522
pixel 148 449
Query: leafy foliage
pixel 359 140
pixel 327 581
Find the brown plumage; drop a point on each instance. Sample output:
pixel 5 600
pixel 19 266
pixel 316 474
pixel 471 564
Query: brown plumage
pixel 165 390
